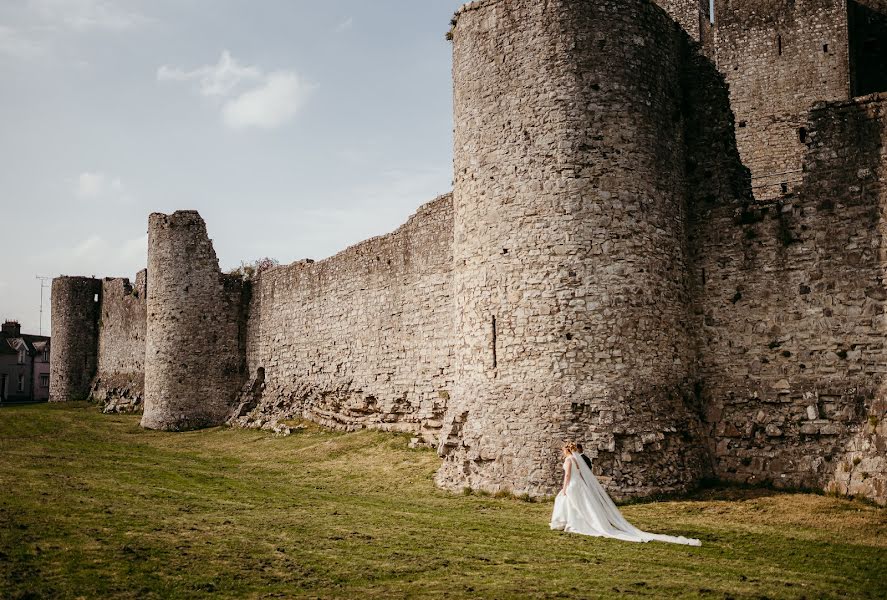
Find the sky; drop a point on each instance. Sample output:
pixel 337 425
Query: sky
pixel 296 127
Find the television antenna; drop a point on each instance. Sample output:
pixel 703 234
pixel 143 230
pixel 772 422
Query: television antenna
pixel 43 286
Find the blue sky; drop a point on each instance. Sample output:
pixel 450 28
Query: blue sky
pixel 295 127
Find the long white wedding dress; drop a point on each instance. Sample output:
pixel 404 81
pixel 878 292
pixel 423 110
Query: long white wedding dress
pixel 587 509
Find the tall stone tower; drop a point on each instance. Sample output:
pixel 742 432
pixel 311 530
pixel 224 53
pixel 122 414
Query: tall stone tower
pixel 194 356
pixel 75 318
pixel 570 284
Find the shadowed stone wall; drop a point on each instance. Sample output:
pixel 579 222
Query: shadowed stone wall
pixel 120 380
pixel 75 316
pixel 779 58
pixel 570 282
pixel 692 15
pixel 195 349
pixel 793 296
pixel 362 339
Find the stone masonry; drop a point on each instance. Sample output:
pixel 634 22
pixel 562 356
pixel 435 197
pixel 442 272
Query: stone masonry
pixel 75 325
pixel 195 341
pixel 793 310
pixel 119 383
pixel 570 257
pixel 780 57
pixel 615 265
pixel 396 375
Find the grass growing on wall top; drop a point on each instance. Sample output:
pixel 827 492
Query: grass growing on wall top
pixel 93 506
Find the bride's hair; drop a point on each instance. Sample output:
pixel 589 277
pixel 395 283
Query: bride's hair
pixel 570 448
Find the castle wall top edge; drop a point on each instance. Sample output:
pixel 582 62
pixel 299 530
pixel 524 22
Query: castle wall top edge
pixel 369 243
pixel 76 278
pixel 474 5
pixel 179 215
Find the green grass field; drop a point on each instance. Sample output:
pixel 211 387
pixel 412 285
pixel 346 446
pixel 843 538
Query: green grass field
pixel 93 507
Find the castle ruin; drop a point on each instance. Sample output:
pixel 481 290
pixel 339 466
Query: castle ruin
pixel 666 239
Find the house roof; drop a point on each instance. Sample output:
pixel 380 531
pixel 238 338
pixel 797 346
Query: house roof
pixel 11 344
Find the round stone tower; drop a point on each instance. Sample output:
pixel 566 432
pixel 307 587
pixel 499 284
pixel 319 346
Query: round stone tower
pixel 194 356
pixel 75 309
pixel 571 292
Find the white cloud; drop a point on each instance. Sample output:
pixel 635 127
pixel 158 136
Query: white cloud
pixel 272 101
pixel 100 185
pixel 90 185
pixel 13 43
pixel 344 25
pixel 214 80
pixel 84 15
pixel 268 106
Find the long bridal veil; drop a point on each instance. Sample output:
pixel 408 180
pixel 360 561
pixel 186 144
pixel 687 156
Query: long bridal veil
pixel 587 509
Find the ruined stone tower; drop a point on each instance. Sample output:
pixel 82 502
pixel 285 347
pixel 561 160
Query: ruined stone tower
pixel 570 281
pixel 194 354
pixel 75 317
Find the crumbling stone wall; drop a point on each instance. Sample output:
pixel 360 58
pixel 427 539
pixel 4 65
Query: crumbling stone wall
pixel 362 339
pixel 195 340
pixel 75 316
pixel 780 57
pixel 570 284
pixel 120 379
pixel 793 298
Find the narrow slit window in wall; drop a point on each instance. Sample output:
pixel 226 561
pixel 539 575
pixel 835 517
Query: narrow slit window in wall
pixel 779 44
pixel 495 335
pixel 802 134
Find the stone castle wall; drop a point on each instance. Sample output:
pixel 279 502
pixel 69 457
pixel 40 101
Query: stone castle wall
pixel 195 338
pixel 780 57
pixel 793 301
pixel 606 271
pixel 570 283
pixel 692 15
pixel 362 339
pixel 75 317
pixel 120 375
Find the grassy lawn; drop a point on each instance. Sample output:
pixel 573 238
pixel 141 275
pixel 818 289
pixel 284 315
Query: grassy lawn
pixel 91 506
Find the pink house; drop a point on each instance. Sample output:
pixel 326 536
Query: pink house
pixel 24 365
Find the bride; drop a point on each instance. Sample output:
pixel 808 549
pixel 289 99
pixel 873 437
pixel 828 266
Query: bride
pixel 584 507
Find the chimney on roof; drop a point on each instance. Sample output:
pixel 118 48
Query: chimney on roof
pixel 12 328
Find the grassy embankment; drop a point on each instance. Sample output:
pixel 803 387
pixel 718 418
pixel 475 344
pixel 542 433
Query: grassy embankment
pixel 92 506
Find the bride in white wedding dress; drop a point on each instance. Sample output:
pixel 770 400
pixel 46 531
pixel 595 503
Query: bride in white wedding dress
pixel 584 507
